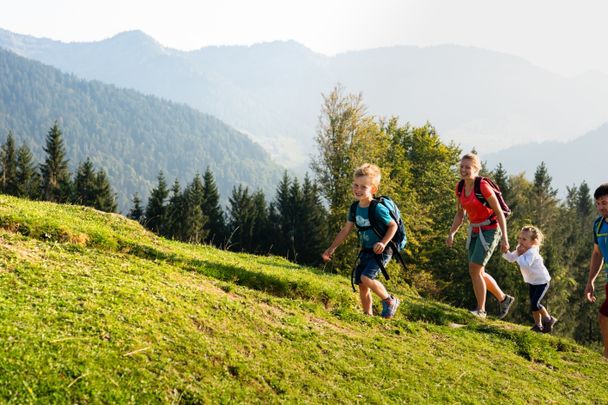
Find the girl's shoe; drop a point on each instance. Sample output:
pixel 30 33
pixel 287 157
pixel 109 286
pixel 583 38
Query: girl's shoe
pixel 548 324
pixel 537 328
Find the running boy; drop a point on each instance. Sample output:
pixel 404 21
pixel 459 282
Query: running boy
pixel 535 275
pixel 374 248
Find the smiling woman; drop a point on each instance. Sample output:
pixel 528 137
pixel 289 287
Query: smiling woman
pixel 487 226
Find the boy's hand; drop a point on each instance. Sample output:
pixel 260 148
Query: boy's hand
pixel 379 248
pixel 326 256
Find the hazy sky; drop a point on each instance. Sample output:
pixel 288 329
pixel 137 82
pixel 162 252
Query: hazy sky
pixel 565 36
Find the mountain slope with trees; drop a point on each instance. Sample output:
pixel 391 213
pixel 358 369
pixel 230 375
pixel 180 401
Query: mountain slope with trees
pixel 129 135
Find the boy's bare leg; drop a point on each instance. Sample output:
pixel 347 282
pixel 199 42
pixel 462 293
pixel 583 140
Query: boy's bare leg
pixel 376 286
pixel 366 299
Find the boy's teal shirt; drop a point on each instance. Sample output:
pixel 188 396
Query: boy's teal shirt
pixel 368 238
pixel 600 236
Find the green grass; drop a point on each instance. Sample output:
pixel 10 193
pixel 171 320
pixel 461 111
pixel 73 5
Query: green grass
pixel 95 309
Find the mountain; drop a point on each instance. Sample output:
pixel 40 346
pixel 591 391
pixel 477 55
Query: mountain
pixel 95 309
pixel 569 163
pixel 130 135
pixel 272 91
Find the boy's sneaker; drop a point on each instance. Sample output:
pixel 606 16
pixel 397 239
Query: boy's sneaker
pixel 479 313
pixel 390 308
pixel 537 328
pixel 505 305
pixel 548 324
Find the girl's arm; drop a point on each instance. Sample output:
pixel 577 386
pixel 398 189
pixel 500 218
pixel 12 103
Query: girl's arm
pixel 348 226
pixel 458 219
pixel 510 256
pixel 527 258
pixel 502 222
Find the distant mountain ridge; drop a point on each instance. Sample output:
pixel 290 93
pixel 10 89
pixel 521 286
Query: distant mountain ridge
pixel 476 97
pixel 568 163
pixel 130 135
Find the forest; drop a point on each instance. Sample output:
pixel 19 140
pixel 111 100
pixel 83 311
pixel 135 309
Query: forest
pixel 418 172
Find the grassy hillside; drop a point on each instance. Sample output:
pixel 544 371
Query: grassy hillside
pixel 95 309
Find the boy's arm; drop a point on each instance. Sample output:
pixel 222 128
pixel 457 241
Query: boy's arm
pixel 391 229
pixel 594 268
pixel 348 226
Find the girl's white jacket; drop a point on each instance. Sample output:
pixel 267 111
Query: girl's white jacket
pixel 531 266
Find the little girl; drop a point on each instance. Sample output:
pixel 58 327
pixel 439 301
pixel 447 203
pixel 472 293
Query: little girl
pixel 535 275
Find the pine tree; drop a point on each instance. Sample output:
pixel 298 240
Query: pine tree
pixel 195 219
pixel 8 170
pixel 216 224
pixel 310 226
pixel 28 178
pixel 136 213
pixel 105 198
pixel 172 226
pixel 240 219
pixel 156 209
pixel 282 219
pixel 84 184
pixel 56 183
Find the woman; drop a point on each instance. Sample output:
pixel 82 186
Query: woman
pixel 487 228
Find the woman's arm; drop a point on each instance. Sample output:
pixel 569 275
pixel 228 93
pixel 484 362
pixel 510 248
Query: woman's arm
pixel 502 222
pixel 458 219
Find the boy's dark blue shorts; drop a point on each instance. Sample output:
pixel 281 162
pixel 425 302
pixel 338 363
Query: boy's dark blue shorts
pixel 368 265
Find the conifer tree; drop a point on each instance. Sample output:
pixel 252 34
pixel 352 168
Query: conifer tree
pixel 156 209
pixel 310 227
pixel 84 184
pixel 216 224
pixel 172 226
pixel 240 219
pixel 195 219
pixel 137 212
pixel 28 178
pixel 105 198
pixel 56 183
pixel 8 170
pixel 260 238
pixel 282 220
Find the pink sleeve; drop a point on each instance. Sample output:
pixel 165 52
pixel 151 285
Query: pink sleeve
pixel 486 190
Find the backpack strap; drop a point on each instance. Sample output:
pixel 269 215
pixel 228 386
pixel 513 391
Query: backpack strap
pixel 597 227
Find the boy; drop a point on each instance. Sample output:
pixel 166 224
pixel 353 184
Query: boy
pixel 599 258
pixel 365 184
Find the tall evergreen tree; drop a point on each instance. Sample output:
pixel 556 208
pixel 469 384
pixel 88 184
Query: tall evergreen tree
pixel 56 183
pixel 84 184
pixel 137 212
pixel 105 198
pixel 28 178
pixel 156 210
pixel 195 219
pixel 216 224
pixel 173 225
pixel 311 226
pixel 240 219
pixel 282 220
pixel 8 170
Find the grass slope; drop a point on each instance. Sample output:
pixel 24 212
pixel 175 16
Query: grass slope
pixel 95 309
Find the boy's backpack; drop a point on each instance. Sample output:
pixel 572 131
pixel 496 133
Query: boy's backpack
pixel 477 190
pixel 399 240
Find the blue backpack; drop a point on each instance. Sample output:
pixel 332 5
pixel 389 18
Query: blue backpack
pixel 399 240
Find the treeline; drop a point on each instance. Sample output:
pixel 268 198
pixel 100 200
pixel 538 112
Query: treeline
pixel 292 225
pixel 21 176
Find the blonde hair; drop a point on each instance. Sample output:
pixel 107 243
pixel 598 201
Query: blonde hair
pixel 473 158
pixel 535 234
pixel 370 170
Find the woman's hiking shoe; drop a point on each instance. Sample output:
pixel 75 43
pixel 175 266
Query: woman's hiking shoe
pixel 479 313
pixel 537 328
pixel 505 305
pixel 548 324
pixel 390 308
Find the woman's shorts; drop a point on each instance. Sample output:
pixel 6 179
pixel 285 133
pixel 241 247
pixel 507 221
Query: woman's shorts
pixel 477 253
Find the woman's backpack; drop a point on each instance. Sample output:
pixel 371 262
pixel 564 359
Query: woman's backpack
pixel 477 190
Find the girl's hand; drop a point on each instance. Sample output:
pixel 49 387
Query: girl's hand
pixel 379 248
pixel 450 240
pixel 521 250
